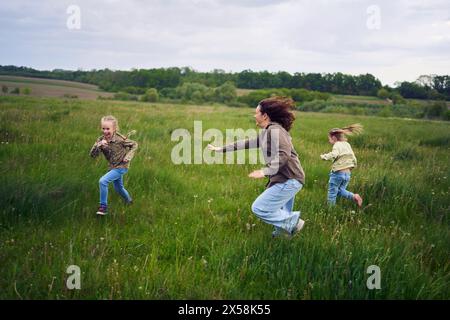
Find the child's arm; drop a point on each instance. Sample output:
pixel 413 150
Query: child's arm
pixel 330 155
pixel 95 150
pixel 133 147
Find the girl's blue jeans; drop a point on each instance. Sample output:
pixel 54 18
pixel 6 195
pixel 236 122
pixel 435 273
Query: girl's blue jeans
pixel 115 176
pixel 337 186
pixel 274 206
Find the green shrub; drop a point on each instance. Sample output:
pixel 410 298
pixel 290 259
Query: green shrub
pixel 26 90
pixel 253 98
pixel 133 90
pixel 197 92
pixel 436 109
pixel 397 98
pixel 386 111
pixel 383 93
pixel 226 93
pixel 125 96
pixel 446 115
pixel 151 95
pixel 298 95
pixel 169 93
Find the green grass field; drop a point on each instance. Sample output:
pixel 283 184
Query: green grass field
pixel 190 233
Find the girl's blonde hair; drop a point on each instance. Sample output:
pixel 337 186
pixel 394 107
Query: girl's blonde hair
pixel 116 124
pixel 340 133
pixel 113 120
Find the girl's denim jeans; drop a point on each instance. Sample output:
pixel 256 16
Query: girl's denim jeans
pixel 274 206
pixel 115 176
pixel 337 186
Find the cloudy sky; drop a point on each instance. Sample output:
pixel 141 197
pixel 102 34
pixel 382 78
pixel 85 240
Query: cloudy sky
pixel 394 40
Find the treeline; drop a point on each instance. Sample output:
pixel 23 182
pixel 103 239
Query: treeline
pixel 188 92
pixel 429 87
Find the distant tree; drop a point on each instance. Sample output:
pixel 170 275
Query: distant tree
pixel 383 93
pixel 170 93
pixel 412 90
pixel 425 81
pixel 442 85
pixel 397 98
pixel 151 95
pixel 367 84
pixel 4 89
pixel 196 92
pixel 225 93
pixel 133 90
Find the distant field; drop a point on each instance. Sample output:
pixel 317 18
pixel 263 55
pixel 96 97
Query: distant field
pixel 243 92
pixel 358 99
pixel 53 88
pixel 190 233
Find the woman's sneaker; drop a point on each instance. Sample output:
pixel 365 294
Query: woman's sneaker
pixel 298 227
pixel 102 211
pixel 277 232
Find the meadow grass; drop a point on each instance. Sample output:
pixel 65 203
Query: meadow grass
pixel 190 233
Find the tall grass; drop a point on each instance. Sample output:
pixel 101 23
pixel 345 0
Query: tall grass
pixel 190 233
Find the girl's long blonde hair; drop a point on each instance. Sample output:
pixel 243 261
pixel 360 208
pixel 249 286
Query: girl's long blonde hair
pixel 111 119
pixel 116 124
pixel 340 133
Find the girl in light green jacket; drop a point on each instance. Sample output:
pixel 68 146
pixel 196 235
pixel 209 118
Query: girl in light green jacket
pixel 344 161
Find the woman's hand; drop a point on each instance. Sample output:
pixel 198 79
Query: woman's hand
pixel 214 148
pixel 257 174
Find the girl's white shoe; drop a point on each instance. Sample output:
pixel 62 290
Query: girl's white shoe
pixel 102 211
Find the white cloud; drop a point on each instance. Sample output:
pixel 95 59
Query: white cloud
pixel 296 36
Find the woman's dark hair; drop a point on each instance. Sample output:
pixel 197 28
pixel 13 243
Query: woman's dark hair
pixel 279 110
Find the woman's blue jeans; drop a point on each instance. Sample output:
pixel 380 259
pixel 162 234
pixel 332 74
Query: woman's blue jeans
pixel 115 176
pixel 274 206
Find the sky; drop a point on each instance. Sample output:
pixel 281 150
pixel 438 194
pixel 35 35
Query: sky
pixel 393 40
